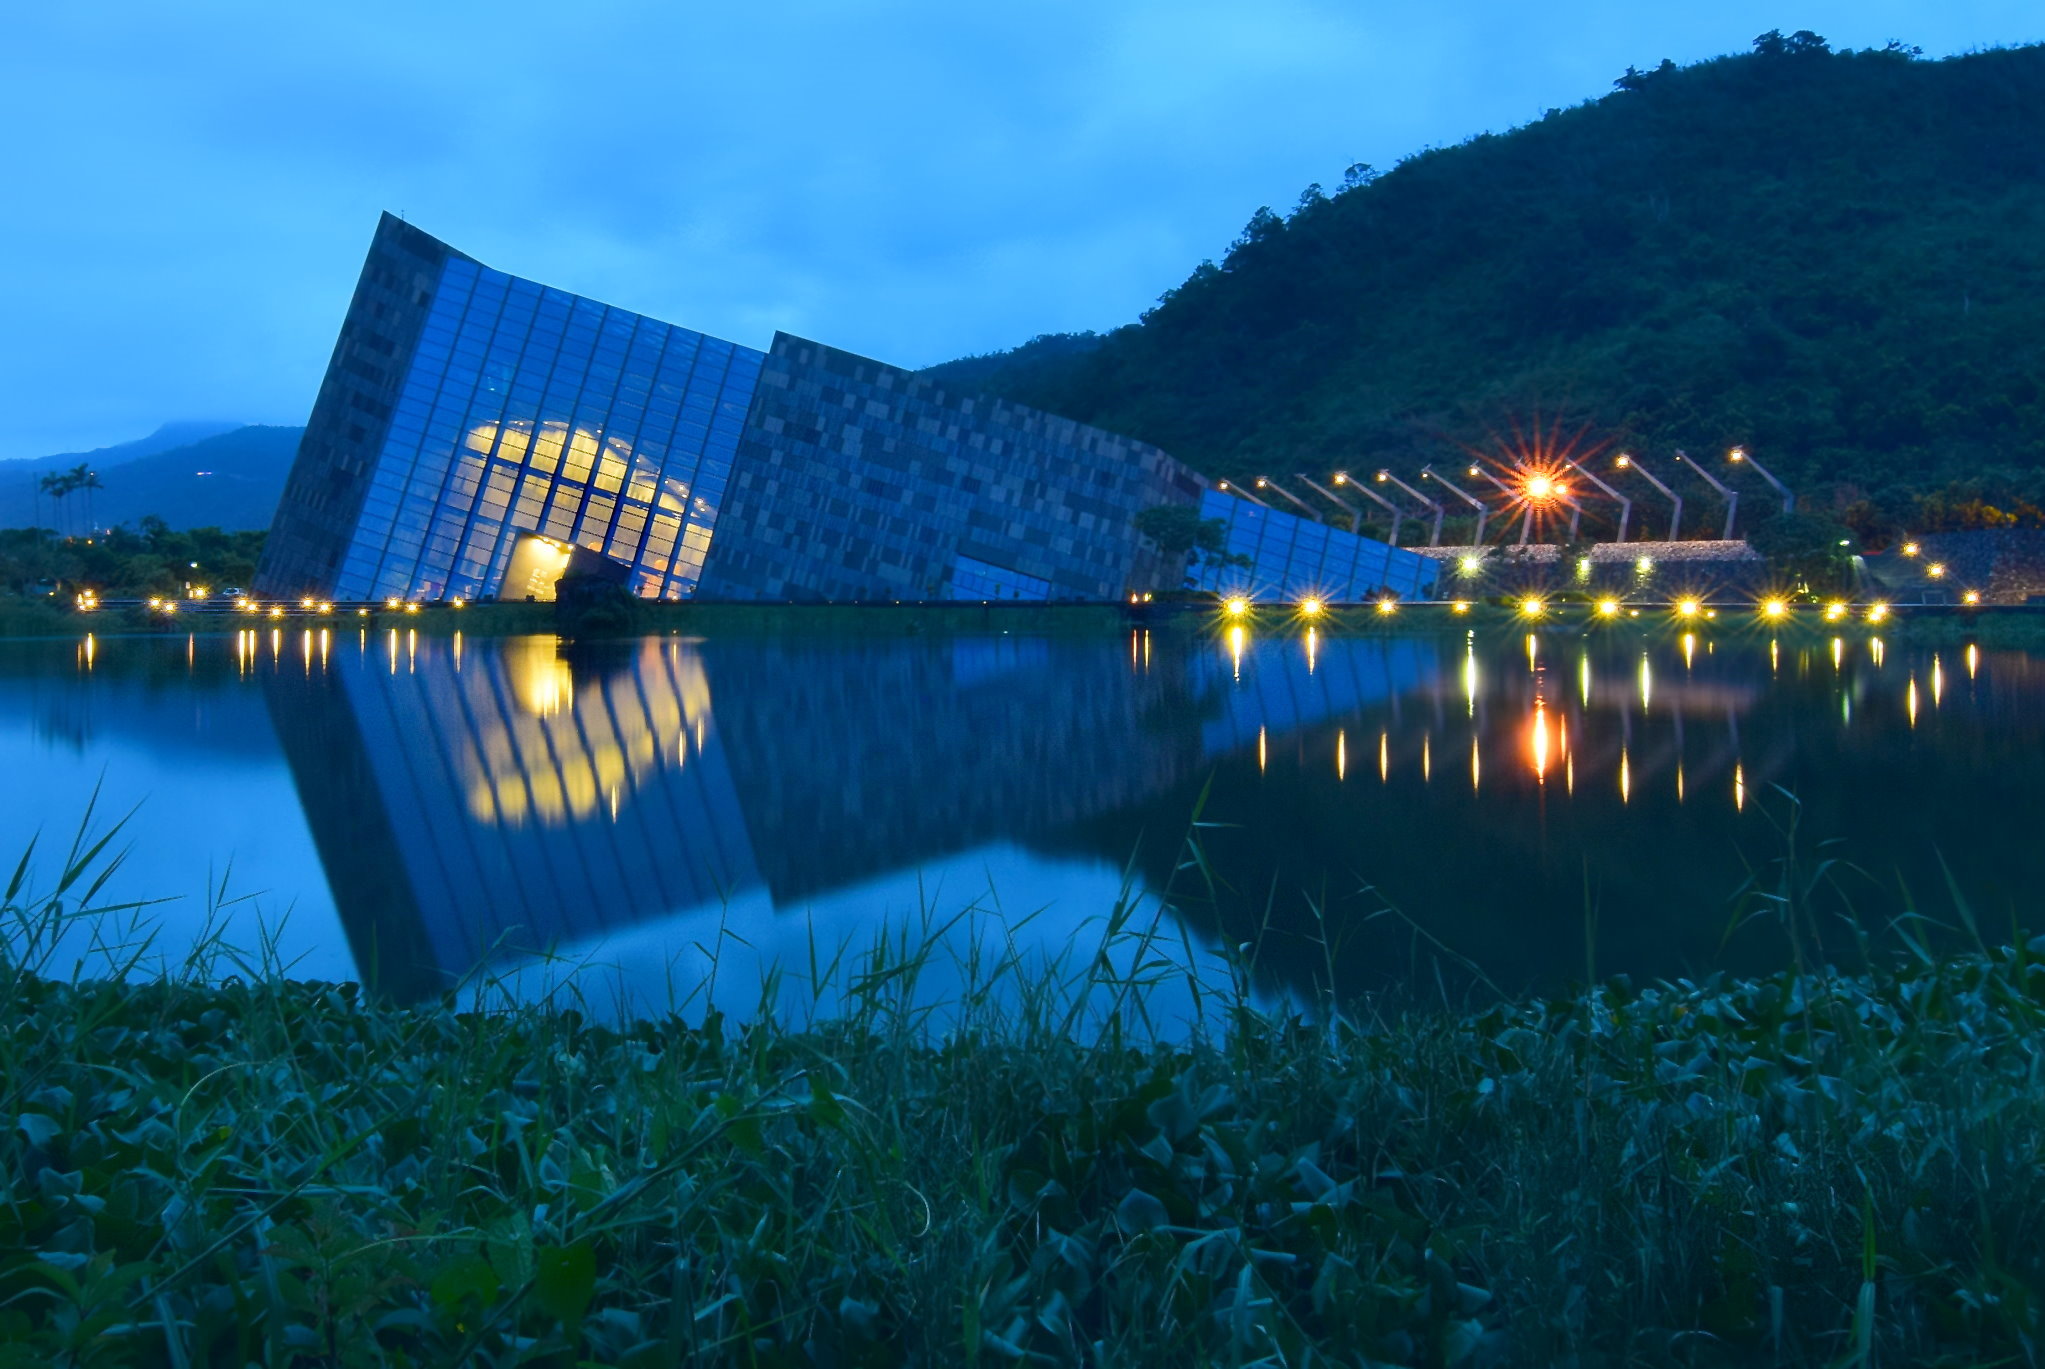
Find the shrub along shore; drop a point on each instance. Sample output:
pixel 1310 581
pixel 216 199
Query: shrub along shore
pixel 1802 1169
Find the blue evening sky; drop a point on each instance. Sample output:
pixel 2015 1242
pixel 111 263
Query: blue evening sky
pixel 190 187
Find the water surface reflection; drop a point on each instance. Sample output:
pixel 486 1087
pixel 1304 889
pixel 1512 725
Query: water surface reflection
pixel 1536 805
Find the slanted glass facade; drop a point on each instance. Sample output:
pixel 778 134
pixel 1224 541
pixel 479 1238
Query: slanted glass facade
pixel 1293 558
pixel 530 410
pixel 474 429
pixel 524 410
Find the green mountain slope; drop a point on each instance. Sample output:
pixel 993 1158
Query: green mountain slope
pixel 1835 259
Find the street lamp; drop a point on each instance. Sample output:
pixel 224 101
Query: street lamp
pixel 1266 483
pixel 1527 523
pixel 1434 537
pixel 1731 496
pixel 1739 456
pixel 1483 509
pixel 1627 463
pixel 1239 492
pixel 1342 479
pixel 1625 504
pixel 1355 514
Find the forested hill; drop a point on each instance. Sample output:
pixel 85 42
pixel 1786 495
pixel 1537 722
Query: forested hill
pixel 1836 259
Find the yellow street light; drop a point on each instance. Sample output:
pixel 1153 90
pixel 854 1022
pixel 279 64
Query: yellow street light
pixel 1533 608
pixel 1972 596
pixel 1236 606
pixel 1910 549
pixel 1774 609
pixel 1388 606
pixel 1688 608
pixel 1311 607
pixel 1470 565
pixel 1644 565
pixel 411 608
pixel 326 607
pixel 1460 606
pixel 1608 608
pixel 1936 570
pixel 1834 611
pixel 1877 612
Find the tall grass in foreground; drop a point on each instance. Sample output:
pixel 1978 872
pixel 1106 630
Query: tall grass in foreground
pixel 228 1167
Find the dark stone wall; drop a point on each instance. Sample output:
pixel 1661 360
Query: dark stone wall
pixel 323 497
pixel 856 480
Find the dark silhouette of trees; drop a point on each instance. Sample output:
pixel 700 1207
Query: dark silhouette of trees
pixel 59 484
pixel 1826 256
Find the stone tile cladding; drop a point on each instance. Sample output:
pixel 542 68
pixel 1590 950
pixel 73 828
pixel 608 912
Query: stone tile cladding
pixel 856 480
pixel 323 496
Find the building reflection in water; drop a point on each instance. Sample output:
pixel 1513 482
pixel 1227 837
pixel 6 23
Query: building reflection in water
pixel 481 803
pixel 542 798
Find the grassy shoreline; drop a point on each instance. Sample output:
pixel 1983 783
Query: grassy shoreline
pixel 1811 1168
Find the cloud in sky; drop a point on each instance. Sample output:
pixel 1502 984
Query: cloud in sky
pixel 192 187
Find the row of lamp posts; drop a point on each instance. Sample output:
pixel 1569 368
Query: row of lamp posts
pixel 1519 484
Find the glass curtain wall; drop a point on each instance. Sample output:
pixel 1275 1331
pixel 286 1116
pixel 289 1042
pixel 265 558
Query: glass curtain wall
pixel 530 411
pixel 1291 557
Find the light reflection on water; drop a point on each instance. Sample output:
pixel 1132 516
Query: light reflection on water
pixel 422 806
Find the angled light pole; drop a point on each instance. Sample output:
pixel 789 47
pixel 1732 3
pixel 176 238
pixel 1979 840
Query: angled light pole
pixel 1527 519
pixel 1625 504
pixel 1627 463
pixel 1342 479
pixel 1266 483
pixel 1739 457
pixel 1434 537
pixel 1355 514
pixel 1731 496
pixel 1239 492
pixel 1483 509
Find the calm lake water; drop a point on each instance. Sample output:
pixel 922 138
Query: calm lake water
pixel 400 809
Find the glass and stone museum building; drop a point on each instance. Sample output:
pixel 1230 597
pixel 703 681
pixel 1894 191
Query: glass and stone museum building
pixel 476 432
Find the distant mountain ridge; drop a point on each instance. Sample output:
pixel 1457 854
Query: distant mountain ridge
pixel 165 438
pixel 191 475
